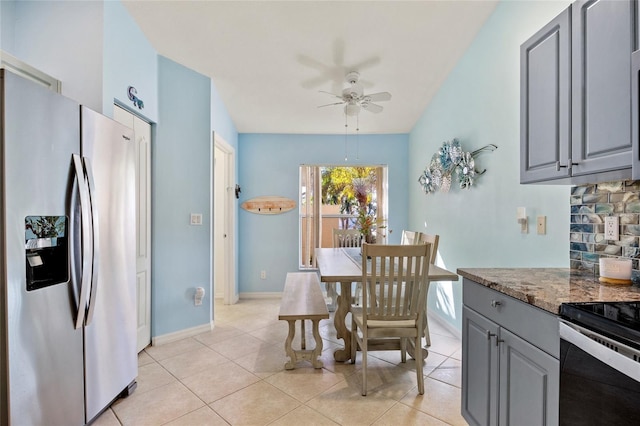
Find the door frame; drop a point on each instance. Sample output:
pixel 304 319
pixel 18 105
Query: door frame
pixel 230 212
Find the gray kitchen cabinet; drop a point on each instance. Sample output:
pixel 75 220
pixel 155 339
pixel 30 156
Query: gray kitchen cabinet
pixel 578 126
pixel 510 367
pixel 480 370
pixel 545 89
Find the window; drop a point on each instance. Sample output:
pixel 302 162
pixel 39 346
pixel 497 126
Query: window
pixel 336 197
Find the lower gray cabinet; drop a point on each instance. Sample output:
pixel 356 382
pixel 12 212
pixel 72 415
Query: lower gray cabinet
pixel 480 369
pixel 529 383
pixel 507 380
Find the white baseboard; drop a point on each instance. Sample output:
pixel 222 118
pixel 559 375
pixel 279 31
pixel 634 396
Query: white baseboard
pixel 445 324
pixel 182 334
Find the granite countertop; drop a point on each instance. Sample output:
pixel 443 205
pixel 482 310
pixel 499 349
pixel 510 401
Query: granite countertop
pixel 548 288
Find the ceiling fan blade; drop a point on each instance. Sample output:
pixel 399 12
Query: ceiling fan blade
pixel 372 107
pixel 314 82
pixel 366 63
pixel 338 52
pixel 313 63
pixel 332 94
pixel 335 103
pixel 378 97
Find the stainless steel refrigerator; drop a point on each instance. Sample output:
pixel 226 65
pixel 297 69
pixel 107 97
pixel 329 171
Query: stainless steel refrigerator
pixel 67 234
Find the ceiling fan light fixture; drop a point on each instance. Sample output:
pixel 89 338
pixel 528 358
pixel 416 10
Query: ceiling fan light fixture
pixel 357 90
pixel 351 109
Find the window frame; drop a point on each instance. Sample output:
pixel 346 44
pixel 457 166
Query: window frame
pixel 310 213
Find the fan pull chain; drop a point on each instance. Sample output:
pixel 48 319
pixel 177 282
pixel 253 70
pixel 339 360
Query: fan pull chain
pixel 357 137
pixel 345 137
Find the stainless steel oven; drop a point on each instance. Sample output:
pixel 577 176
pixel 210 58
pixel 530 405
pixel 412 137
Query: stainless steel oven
pixel 600 364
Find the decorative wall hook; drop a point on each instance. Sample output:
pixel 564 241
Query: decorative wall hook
pixel 449 158
pixel 238 191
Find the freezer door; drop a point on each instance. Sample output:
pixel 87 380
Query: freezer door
pixel 44 354
pixel 110 332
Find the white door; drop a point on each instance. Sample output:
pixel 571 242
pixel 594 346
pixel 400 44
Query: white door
pixel 224 208
pixel 142 130
pixel 219 261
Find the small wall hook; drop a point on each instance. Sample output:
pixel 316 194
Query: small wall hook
pixel 238 190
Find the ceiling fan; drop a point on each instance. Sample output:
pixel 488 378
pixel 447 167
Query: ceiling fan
pixel 354 99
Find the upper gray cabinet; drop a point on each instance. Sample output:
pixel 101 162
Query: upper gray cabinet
pixel 545 89
pixel 576 94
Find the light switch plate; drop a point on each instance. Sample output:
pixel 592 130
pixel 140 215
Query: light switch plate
pixel 541 225
pixel 611 228
pixel 196 219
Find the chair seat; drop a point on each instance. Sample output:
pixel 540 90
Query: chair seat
pixel 383 323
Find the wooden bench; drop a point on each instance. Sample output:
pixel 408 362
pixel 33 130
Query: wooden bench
pixel 302 300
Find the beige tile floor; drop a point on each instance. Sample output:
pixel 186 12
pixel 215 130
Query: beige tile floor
pixel 234 375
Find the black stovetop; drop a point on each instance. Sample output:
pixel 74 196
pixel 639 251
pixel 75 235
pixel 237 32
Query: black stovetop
pixel 618 320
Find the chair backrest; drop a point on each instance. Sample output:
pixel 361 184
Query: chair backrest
pixel 432 239
pixel 346 238
pixel 395 279
pixel 410 237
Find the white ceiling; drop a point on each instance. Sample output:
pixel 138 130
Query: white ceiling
pixel 269 59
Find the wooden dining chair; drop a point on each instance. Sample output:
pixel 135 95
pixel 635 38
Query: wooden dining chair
pixel 342 238
pixel 393 303
pixel 432 239
pixel 347 238
pixel 410 237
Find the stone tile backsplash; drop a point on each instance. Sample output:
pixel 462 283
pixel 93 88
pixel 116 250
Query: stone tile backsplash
pixel 589 206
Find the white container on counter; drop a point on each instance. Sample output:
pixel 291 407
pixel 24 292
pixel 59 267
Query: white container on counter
pixel 614 269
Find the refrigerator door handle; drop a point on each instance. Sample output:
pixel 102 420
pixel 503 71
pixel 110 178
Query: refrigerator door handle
pixel 95 238
pixel 85 233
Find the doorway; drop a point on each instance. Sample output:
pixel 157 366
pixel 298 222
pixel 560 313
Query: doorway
pixel 223 218
pixel 142 131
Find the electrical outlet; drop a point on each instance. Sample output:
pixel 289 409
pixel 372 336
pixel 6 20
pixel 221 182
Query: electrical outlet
pixel 611 228
pixel 263 275
pixel 198 295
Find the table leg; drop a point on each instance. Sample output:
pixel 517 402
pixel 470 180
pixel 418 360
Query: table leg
pixel 339 320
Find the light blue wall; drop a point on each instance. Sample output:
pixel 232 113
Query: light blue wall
pixel 95 49
pixel 480 104
pixel 7 26
pixel 269 165
pixel 129 60
pixel 65 40
pixel 221 121
pixel 181 186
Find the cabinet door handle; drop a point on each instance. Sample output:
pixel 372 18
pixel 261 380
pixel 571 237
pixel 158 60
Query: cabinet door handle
pixel 490 335
pixel 495 303
pixel 568 166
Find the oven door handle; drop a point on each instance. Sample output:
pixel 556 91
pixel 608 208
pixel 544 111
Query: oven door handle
pixel 579 337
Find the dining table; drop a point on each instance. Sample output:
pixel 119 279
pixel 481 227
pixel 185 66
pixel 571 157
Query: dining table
pixel 344 265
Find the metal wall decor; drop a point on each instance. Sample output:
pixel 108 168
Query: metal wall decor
pixel 131 93
pixel 451 158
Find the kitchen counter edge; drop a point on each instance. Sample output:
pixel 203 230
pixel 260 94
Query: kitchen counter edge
pixel 548 288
